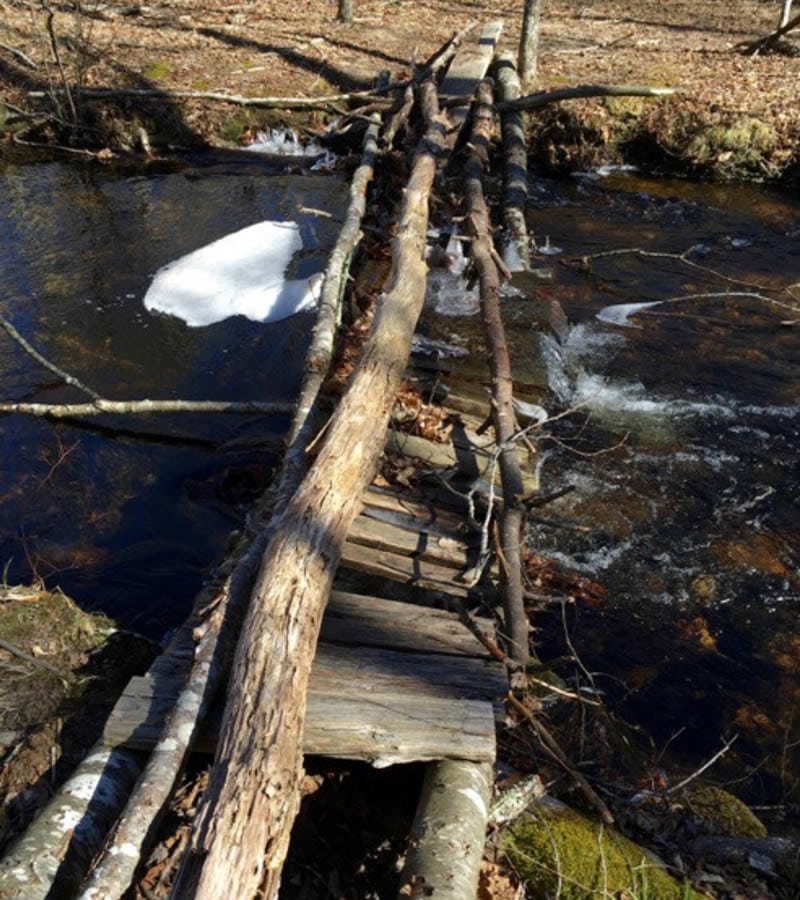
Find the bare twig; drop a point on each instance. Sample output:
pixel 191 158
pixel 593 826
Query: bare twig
pixel 16 651
pixel 71 380
pixel 22 57
pixel 554 749
pixel 145 407
pixel 706 765
pixel 218 97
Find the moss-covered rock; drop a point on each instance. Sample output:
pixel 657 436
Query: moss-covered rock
pixel 722 813
pixel 557 850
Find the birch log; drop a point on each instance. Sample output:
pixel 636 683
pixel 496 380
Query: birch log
pixel 241 835
pixel 50 858
pixel 516 619
pixel 449 832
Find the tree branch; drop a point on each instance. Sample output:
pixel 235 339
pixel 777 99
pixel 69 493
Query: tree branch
pixel 534 101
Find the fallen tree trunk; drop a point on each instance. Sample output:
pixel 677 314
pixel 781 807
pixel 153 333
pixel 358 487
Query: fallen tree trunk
pixel 516 618
pixel 114 873
pixel 447 838
pixel 50 858
pixel 515 168
pixel 241 835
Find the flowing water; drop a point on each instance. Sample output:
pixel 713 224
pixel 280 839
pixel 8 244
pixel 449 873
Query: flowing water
pixel 681 449
pixel 683 454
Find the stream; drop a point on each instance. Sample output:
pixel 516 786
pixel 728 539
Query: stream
pixel 681 448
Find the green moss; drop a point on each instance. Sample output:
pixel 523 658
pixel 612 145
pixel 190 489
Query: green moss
pixel 724 813
pixel 232 127
pixel 158 71
pixel 562 852
pixel 746 143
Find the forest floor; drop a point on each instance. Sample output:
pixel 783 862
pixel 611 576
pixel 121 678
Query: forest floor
pixel 736 114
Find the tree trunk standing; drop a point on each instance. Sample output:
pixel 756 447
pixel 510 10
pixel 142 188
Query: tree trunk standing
pixel 529 43
pixel 346 11
pixel 785 13
pixel 516 619
pixel 242 831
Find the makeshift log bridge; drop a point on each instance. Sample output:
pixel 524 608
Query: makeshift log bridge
pixel 321 667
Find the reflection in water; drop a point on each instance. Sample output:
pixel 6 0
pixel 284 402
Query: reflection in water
pixel 125 525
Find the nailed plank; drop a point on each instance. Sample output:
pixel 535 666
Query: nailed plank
pixel 355 619
pixel 420 573
pixel 359 686
pixel 373 531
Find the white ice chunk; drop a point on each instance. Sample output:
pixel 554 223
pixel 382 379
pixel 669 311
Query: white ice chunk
pixel 240 274
pixel 620 313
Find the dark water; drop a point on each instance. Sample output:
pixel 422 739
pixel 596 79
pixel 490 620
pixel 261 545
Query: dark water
pixel 130 525
pixel 693 503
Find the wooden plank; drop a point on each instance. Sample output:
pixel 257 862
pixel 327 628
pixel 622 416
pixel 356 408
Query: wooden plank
pixel 433 517
pixel 355 619
pixel 422 544
pixel 420 573
pixel 389 729
pixel 360 671
pixel 359 686
pixel 471 454
pixel 469 66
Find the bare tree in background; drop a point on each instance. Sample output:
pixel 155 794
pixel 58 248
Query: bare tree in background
pixel 785 12
pixel 346 11
pixel 529 43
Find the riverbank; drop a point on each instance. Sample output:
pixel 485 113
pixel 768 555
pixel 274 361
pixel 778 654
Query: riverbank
pixel 735 115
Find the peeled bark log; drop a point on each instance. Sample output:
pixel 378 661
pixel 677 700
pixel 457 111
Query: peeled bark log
pixel 542 98
pixel 449 831
pixel 516 619
pixel 242 832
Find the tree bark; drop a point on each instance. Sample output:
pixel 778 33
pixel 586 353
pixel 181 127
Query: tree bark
pixel 516 619
pixel 242 832
pixel 515 169
pixel 449 831
pixel 529 42
pixel 50 858
pixel 346 11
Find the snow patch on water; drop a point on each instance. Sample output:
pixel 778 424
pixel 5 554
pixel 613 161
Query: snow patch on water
pixel 243 273
pixel 284 142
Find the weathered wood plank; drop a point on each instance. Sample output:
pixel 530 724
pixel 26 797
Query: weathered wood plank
pixel 420 573
pixel 354 620
pixel 388 729
pixel 349 679
pixel 373 531
pixel 358 672
pixel 433 516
